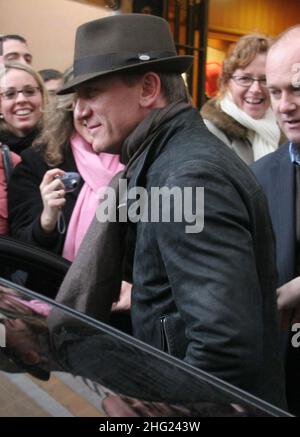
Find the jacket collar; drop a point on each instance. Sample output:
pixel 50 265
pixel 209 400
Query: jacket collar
pixel 211 111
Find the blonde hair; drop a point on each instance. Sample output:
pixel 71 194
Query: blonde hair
pixel 5 68
pixel 242 54
pixel 58 126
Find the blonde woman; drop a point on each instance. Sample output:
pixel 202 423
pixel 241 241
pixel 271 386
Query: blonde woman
pixel 23 97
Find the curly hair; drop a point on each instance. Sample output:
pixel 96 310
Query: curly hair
pixel 242 54
pixel 58 127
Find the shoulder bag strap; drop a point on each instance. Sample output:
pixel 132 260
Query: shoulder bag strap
pixel 7 161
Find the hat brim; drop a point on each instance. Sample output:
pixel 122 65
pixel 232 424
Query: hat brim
pixel 178 64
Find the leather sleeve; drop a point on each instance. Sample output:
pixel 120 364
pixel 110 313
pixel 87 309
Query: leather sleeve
pixel 214 279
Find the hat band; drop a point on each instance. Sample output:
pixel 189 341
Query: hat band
pixel 113 61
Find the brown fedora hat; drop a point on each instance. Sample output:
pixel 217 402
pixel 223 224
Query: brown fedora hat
pixel 125 42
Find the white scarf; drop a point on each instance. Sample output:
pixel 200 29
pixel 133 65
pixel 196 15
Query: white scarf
pixel 264 132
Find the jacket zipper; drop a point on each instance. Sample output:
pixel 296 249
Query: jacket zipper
pixel 164 337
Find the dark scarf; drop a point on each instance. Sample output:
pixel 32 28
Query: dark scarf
pixel 18 144
pixel 94 279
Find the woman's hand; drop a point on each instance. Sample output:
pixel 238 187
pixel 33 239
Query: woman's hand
pixel 53 197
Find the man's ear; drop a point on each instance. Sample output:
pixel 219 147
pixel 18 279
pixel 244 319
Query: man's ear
pixel 150 91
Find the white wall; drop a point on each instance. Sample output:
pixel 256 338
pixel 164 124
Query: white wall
pixel 49 27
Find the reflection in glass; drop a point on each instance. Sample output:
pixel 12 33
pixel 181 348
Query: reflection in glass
pixel 123 376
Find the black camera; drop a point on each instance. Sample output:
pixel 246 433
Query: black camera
pixel 70 180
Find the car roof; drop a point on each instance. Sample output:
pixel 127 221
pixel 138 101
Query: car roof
pixel 102 368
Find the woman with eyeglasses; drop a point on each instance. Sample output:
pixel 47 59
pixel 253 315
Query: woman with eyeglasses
pixel 22 97
pixel 241 115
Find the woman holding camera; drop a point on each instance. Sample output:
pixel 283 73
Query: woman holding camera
pixel 41 212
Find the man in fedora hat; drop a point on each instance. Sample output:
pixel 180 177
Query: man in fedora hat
pixel 204 293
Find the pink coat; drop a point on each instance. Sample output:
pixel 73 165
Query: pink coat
pixel 3 193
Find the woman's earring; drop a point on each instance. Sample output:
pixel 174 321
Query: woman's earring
pixel 1 116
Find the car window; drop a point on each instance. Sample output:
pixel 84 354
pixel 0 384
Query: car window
pixel 112 373
pixel 41 271
pixel 37 269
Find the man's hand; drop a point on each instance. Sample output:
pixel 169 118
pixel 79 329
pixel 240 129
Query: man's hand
pixel 124 302
pixel 288 295
pixel 288 301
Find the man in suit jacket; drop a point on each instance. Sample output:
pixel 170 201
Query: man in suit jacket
pixel 279 175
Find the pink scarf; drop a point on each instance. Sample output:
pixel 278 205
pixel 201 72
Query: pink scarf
pixel 96 171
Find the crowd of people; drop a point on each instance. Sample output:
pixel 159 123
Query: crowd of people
pixel 223 299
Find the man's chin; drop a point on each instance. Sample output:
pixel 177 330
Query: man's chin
pixel 296 142
pixel 98 148
pixel 295 139
pixel 104 148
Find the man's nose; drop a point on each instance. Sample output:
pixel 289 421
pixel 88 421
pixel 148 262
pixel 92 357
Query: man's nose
pixel 81 109
pixel 287 103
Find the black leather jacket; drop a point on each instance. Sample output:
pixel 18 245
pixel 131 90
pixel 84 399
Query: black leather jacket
pixel 209 297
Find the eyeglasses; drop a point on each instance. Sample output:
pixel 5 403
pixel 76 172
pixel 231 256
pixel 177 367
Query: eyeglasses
pixel 27 91
pixel 247 81
pixel 51 93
